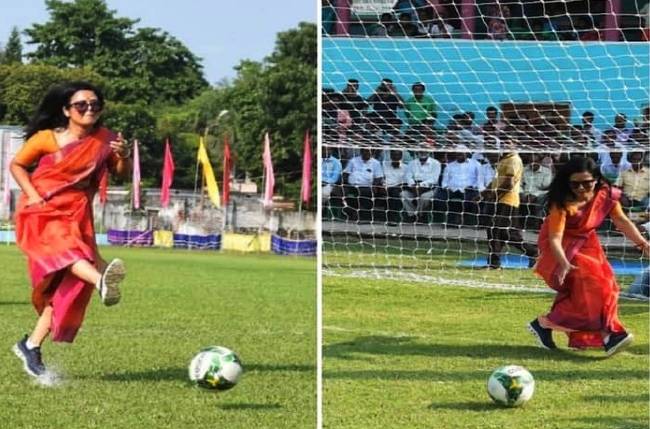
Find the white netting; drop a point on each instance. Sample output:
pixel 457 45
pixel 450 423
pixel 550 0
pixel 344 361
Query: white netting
pixel 436 91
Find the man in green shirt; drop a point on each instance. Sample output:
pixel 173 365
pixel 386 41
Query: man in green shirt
pixel 420 110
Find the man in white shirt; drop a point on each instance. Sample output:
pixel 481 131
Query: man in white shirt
pixel 363 176
pixel 422 177
pixel 610 144
pixel 394 182
pixel 462 182
pixel 536 179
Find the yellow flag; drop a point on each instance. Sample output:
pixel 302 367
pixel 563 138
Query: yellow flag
pixel 208 175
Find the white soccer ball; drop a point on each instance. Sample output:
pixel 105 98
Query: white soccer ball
pixel 511 385
pixel 216 368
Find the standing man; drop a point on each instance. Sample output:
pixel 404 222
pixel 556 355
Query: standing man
pixel 394 181
pixel 537 178
pixel 504 190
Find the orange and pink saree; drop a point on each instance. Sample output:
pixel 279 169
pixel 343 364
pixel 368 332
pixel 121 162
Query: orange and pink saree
pixel 586 304
pixel 60 232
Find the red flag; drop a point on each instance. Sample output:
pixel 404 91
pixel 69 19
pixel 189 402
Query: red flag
pixel 306 170
pixel 226 172
pixel 167 175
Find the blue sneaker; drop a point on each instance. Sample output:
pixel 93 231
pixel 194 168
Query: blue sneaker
pixel 617 342
pixel 32 360
pixel 543 336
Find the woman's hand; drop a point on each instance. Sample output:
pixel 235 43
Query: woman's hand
pixel 645 249
pixel 120 147
pixel 565 267
pixel 34 200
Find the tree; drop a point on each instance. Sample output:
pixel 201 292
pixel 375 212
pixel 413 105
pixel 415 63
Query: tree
pixel 141 65
pixel 13 50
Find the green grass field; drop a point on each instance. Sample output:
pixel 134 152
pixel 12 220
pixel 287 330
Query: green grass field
pixel 417 355
pixel 128 365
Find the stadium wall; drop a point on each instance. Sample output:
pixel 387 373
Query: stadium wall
pixel 605 78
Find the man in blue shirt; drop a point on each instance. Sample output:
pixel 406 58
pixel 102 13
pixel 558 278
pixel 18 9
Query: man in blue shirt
pixel 331 170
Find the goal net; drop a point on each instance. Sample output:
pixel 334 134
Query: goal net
pixel 423 100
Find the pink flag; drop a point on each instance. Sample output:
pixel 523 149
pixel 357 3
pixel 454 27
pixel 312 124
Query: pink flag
pixel 6 193
pixel 306 170
pixel 167 176
pixel 269 177
pixel 136 176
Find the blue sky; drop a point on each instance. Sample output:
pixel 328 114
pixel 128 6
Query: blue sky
pixel 220 32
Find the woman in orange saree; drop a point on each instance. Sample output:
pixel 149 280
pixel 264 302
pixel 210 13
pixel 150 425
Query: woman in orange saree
pixel 573 263
pixel 54 219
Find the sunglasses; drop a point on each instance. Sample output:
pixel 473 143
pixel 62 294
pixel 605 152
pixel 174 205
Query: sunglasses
pixel 586 184
pixel 83 106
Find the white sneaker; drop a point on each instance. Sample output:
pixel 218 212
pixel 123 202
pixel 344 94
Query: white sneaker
pixel 108 287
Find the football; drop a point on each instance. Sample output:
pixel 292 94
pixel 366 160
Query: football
pixel 215 368
pixel 511 385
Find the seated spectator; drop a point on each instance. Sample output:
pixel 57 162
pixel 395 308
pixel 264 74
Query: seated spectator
pixel 492 123
pixel 394 182
pixel 404 27
pixel 635 183
pixel 438 27
pixel 466 132
pixel 422 177
pixel 591 133
pixel 461 184
pixel 354 103
pixel 385 26
pixel 620 127
pixel 616 165
pixel 420 110
pixel 609 144
pixel 363 177
pixel 497 25
pixel 331 170
pixel 536 179
pixel 487 160
pixel 385 102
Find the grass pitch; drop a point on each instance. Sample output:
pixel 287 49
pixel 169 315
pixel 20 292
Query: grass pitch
pixel 128 366
pixel 417 355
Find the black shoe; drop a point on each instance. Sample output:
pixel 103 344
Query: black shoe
pixel 617 342
pixel 544 336
pixel 32 361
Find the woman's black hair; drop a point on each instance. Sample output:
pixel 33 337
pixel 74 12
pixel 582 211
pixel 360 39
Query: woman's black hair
pixel 559 189
pixel 49 114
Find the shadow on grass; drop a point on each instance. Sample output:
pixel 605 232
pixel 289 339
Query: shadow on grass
pixel 180 373
pixel 253 407
pixel 617 398
pixel 15 303
pixel 465 406
pixel 408 346
pixel 602 422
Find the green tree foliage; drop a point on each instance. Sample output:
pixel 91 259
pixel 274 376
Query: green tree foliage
pixel 277 95
pixel 13 50
pixel 141 65
pixel 22 86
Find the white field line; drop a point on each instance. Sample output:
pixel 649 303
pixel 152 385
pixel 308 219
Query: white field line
pixel 426 281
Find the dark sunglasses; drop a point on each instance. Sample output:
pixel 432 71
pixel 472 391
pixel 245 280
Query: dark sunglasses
pixel 83 106
pixel 586 184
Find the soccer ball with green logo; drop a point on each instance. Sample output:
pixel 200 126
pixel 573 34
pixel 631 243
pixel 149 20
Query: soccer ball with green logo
pixel 216 368
pixel 511 385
